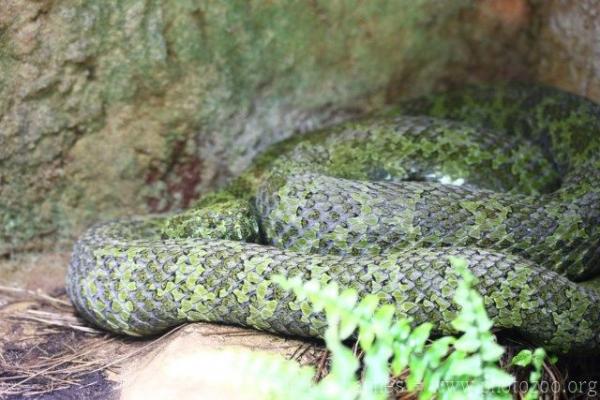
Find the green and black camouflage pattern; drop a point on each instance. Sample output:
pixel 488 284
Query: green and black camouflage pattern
pixel 505 176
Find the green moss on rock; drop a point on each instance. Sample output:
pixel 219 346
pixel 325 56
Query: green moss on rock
pixel 141 105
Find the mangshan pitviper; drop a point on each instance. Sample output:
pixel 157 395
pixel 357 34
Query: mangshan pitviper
pixel 506 176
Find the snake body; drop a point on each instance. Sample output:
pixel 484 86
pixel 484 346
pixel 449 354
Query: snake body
pixel 506 176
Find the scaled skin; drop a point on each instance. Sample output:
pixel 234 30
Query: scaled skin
pixel 379 205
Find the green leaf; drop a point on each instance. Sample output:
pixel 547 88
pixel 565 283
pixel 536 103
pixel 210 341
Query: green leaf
pixel 419 336
pixel 383 319
pixel 431 383
pixel 484 323
pixel 366 307
pixel 499 395
pixel 347 326
pixel 472 392
pixel 463 321
pixel 539 355
pixel 402 355
pixel 281 281
pixel 312 286
pixel 332 316
pixel 376 374
pixel 330 292
pixel 469 342
pixel 366 337
pixel 494 377
pixel 332 337
pixel 439 349
pixel 461 297
pixel 344 363
pixel 491 351
pixel 523 359
pixel 401 329
pixel 470 366
pixel 458 263
pixel 348 298
pixel 534 376
pixel 531 395
pixel 417 372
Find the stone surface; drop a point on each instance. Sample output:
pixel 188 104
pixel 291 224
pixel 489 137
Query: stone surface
pixel 204 362
pixel 134 106
pixel 567 45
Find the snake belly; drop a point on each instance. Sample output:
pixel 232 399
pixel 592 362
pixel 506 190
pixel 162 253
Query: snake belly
pixel 506 176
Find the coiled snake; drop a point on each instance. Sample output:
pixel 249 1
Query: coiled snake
pixel 509 180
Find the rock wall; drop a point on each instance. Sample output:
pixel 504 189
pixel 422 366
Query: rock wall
pixel 134 106
pixel 567 38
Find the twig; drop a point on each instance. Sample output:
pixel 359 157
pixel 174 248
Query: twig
pixel 37 294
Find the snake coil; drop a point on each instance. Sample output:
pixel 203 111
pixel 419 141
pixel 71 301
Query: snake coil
pixel 506 176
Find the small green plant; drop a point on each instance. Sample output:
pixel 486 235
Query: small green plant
pixel 535 359
pixel 450 367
